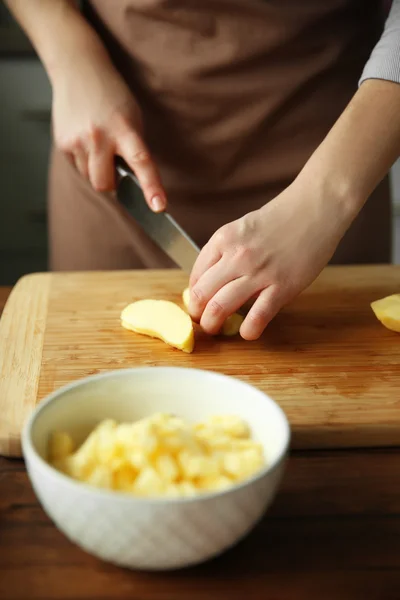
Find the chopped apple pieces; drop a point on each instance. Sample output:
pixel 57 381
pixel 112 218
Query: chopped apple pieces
pixel 232 324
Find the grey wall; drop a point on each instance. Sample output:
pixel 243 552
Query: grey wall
pixel 25 102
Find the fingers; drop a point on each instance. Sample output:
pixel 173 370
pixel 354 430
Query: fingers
pixel 224 303
pixel 132 148
pixel 215 277
pixel 264 309
pixel 101 164
pixel 92 150
pixel 217 296
pixel 80 159
pixel 93 158
pixel 209 255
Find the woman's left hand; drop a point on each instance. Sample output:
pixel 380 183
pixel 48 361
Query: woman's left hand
pixel 269 255
pixel 274 253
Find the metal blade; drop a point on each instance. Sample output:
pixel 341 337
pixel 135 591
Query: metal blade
pixel 160 227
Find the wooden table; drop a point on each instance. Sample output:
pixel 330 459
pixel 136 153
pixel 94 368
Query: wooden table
pixel 332 534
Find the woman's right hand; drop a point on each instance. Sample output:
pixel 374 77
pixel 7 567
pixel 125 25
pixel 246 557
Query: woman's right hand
pixel 95 117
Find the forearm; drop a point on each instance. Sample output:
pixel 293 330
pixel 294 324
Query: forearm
pixel 58 32
pixel 359 150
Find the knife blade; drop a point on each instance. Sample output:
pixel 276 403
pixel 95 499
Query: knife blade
pixel 160 227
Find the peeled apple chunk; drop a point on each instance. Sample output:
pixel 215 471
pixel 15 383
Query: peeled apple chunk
pixel 231 325
pixel 387 311
pixel 160 319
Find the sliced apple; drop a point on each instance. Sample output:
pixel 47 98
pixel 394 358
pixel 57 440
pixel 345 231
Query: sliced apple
pixel 387 311
pixel 232 324
pixel 160 319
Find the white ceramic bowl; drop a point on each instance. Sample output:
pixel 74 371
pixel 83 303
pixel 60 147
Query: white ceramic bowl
pixel 153 533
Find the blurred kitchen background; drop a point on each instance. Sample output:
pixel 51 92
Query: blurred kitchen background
pixel 25 102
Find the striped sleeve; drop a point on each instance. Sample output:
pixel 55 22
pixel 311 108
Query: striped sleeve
pixel 384 62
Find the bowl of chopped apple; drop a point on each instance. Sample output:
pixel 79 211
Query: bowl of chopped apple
pixel 156 468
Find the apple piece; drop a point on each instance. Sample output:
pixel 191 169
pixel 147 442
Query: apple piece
pixel 232 324
pixel 387 311
pixel 160 319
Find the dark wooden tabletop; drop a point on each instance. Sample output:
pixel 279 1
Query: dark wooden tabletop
pixel 333 533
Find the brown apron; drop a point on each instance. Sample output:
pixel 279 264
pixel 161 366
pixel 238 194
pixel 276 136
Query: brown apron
pixel 236 95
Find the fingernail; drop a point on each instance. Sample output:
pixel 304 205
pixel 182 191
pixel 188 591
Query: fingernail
pixel 157 203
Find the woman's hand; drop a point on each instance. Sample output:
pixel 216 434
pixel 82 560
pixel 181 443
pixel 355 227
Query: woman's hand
pixel 269 255
pixel 276 252
pixel 95 117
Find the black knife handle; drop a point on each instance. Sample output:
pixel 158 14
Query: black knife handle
pixel 124 170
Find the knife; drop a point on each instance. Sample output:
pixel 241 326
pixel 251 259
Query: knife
pixel 160 227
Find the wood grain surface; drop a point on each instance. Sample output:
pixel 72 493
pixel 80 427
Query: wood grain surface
pixel 333 533
pixel 326 359
pixel 22 334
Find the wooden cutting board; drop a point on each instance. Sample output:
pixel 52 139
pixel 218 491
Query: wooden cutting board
pixel 329 363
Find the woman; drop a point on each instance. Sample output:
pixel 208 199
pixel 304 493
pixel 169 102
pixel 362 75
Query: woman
pixel 245 115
